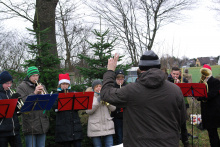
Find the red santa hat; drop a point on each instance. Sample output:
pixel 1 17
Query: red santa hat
pixel 64 78
pixel 207 68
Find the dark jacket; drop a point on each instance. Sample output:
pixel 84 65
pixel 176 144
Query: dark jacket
pixel 35 122
pixel 210 107
pixel 68 125
pixel 154 111
pixel 8 126
pixel 118 113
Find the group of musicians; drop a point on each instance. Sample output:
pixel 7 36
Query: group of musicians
pixel 35 124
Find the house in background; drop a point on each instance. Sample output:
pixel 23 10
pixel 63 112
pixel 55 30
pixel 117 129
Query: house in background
pixel 202 60
pixel 206 60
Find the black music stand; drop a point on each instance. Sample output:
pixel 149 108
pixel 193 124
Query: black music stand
pixel 75 101
pixel 193 90
pixel 7 108
pixel 39 102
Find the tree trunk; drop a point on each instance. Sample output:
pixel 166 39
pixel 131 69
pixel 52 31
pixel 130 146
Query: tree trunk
pixel 45 18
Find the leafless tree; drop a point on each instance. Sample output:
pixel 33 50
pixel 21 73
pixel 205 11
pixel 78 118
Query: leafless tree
pixel 71 33
pixel 136 22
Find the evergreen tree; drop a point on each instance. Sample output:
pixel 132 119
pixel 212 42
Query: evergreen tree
pixel 97 63
pixel 46 62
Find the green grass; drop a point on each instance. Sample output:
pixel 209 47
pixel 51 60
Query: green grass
pixel 203 139
pixel 195 71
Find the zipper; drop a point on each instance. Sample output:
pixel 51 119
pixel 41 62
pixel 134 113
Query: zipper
pixel 12 118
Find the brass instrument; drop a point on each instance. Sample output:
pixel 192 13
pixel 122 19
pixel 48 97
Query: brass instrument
pixel 43 90
pixel 205 74
pixel 20 102
pixel 105 103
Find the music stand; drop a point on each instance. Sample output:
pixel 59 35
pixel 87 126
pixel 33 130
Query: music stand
pixel 75 101
pixel 7 108
pixel 193 90
pixel 39 102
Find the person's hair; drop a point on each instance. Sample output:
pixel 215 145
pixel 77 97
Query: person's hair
pixel 119 76
pixel 186 71
pixel 175 69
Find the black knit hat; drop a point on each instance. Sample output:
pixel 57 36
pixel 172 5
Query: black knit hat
pixel 96 82
pixel 5 77
pixel 149 60
pixel 119 71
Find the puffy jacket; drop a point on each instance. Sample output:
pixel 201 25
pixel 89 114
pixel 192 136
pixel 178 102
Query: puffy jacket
pixel 100 122
pixel 154 112
pixel 35 122
pixel 68 125
pixel 8 126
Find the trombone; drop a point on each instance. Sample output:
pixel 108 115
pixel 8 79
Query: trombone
pixel 43 90
pixel 20 102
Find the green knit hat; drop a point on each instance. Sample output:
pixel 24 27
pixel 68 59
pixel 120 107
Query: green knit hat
pixel 32 70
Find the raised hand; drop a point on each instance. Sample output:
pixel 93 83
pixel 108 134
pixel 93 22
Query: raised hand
pixel 112 62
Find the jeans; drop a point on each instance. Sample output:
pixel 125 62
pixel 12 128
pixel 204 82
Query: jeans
pixel 14 141
pixel 36 140
pixel 107 139
pixel 118 130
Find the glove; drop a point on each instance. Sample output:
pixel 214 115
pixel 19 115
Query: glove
pixel 15 95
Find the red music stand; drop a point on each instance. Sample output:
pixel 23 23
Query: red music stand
pixel 193 90
pixel 7 108
pixel 75 101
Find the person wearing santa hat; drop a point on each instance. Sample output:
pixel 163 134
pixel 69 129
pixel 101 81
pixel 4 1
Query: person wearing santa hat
pixel 210 106
pixel 68 129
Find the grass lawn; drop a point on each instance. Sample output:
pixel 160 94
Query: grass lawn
pixel 195 71
pixel 203 139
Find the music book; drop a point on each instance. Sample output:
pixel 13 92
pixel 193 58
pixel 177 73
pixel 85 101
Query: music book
pixel 193 89
pixel 75 101
pixel 39 102
pixel 7 108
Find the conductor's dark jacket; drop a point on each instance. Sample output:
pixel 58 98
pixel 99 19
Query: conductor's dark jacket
pixel 210 107
pixel 8 126
pixel 154 112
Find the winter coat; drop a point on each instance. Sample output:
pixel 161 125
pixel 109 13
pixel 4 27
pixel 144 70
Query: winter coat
pixel 8 126
pixel 210 107
pixel 68 125
pixel 100 122
pixel 35 122
pixel 154 112
pixel 118 113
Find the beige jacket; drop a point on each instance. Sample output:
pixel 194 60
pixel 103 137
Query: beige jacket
pixel 100 122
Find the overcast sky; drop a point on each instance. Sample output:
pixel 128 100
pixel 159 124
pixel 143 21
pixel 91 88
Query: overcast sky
pixel 197 36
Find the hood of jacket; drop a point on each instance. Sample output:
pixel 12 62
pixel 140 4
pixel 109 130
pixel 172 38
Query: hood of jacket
pixel 152 78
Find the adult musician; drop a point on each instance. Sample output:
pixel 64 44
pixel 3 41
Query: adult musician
pixel 154 107
pixel 210 107
pixel 9 127
pixel 34 124
pixel 175 77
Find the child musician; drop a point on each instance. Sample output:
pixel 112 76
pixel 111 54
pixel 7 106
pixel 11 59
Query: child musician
pixel 68 126
pixel 9 127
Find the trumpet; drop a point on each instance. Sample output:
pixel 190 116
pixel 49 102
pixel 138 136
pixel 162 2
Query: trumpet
pixel 43 90
pixel 20 102
pixel 105 103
